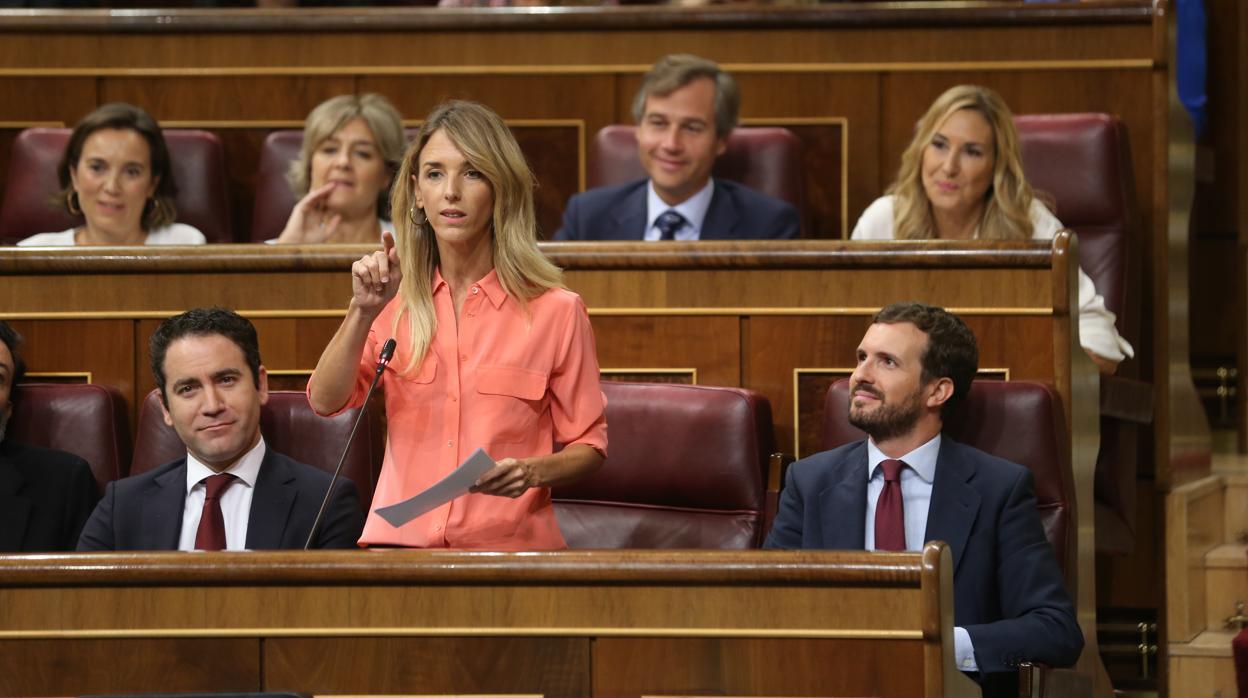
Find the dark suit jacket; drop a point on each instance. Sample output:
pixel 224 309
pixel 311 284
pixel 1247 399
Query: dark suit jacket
pixel 144 512
pixel 1008 589
pixel 45 498
pixel 619 213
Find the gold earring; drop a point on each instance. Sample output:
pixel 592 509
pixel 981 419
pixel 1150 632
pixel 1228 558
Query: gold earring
pixel 416 216
pixel 71 203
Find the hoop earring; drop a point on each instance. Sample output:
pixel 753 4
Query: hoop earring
pixel 416 216
pixel 71 203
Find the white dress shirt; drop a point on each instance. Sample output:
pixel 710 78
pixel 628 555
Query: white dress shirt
pixel 916 497
pixel 693 209
pixel 235 501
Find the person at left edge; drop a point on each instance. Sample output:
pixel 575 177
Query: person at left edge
pixel 45 495
pixel 493 352
pixel 212 387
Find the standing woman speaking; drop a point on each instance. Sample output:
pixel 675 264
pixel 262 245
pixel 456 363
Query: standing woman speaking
pixel 492 351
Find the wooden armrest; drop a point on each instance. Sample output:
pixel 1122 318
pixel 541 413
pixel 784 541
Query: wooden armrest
pixel 777 465
pixel 1040 681
pixel 1128 399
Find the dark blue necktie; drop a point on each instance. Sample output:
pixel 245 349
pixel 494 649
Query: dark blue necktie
pixel 668 223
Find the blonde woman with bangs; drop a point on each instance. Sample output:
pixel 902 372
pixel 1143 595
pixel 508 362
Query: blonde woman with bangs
pixel 961 178
pixel 493 352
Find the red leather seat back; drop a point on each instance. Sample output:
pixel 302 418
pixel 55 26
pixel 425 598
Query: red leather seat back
pixel 767 159
pixel 274 199
pixel 290 427
pixel 685 470
pixel 1015 420
pixel 86 420
pixel 1081 163
pixel 198 163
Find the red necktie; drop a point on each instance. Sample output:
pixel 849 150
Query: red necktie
pixel 890 521
pixel 211 532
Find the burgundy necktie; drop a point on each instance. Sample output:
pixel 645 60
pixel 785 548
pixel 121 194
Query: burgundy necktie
pixel 211 532
pixel 890 520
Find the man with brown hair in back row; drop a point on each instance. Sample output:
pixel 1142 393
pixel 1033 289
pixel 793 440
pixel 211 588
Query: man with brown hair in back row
pixel 685 110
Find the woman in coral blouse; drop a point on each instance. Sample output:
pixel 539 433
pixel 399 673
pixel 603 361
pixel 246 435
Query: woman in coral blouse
pixel 492 352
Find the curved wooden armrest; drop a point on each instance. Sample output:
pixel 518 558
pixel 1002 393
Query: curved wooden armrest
pixel 777 465
pixel 1128 399
pixel 1042 681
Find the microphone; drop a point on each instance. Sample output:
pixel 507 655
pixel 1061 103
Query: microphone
pixel 387 353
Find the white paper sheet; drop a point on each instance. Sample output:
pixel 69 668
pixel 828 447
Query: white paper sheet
pixel 454 485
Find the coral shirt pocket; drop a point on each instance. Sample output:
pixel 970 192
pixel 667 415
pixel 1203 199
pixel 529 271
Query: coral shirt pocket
pixel 511 399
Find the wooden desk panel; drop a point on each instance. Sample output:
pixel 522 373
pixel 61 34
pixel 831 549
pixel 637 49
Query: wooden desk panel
pixel 568 624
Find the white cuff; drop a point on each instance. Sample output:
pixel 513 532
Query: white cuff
pixel 963 650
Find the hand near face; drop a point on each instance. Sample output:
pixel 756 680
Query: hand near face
pixel 510 477
pixel 310 220
pixel 375 278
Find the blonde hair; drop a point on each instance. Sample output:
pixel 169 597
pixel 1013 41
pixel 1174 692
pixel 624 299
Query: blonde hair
pixel 334 113
pixel 522 269
pixel 1007 209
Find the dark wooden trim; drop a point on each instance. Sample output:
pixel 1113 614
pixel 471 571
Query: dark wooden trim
pixel 389 19
pixel 804 254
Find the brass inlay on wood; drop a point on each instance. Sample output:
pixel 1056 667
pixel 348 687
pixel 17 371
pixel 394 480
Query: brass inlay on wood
pixel 555 70
pixel 75 377
pixel 862 634
pixel 692 373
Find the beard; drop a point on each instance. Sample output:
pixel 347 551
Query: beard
pixel 887 421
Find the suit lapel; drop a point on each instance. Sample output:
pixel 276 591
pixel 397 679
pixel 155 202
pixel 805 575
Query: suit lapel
pixel 722 217
pixel 843 505
pixel 163 502
pixel 955 504
pixel 270 504
pixel 14 509
pixel 629 219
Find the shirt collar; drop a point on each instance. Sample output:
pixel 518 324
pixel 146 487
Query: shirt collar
pixel 246 468
pixel 693 209
pixel 489 283
pixel 921 460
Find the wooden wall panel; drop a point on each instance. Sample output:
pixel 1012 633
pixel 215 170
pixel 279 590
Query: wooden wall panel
pixel 225 98
pixel 119 666
pixel 656 342
pixel 852 97
pixel 551 667
pixel 103 348
pixel 635 667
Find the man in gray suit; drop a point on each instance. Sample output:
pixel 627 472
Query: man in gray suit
pixel 230 492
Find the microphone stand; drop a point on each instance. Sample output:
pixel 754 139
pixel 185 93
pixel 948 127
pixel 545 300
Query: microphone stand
pixel 387 352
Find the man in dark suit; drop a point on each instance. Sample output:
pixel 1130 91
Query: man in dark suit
pixel 685 109
pixel 907 484
pixel 230 492
pixel 45 495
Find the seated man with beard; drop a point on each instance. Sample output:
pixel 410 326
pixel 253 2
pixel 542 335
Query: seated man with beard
pixel 906 485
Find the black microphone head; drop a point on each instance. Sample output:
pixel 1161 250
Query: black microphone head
pixel 387 350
